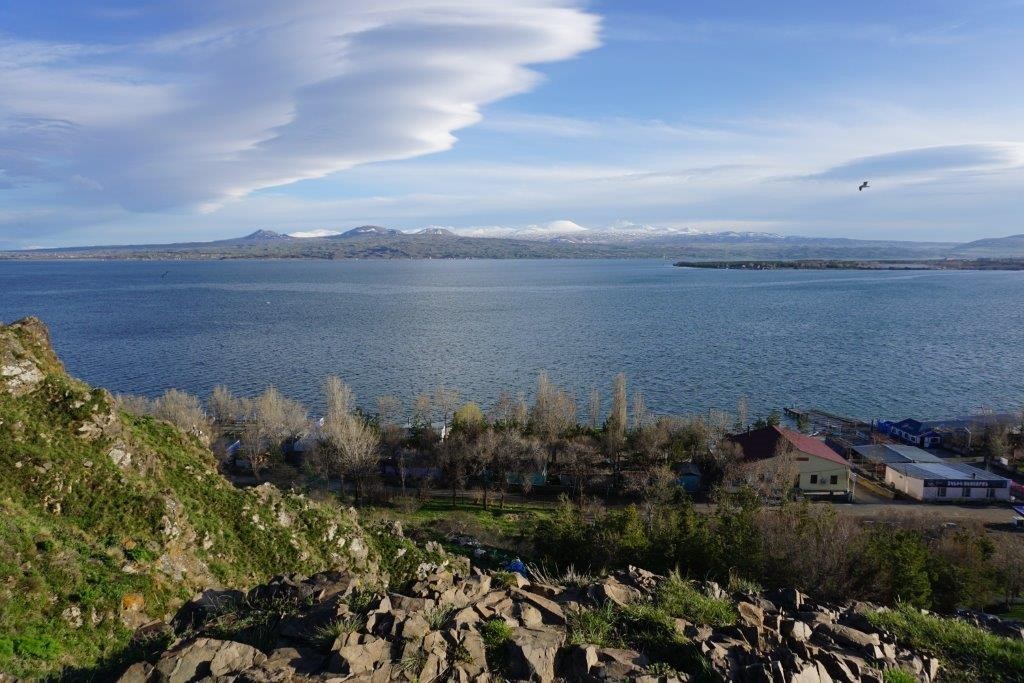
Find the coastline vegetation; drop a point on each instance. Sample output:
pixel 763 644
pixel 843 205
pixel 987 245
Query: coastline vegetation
pixel 597 488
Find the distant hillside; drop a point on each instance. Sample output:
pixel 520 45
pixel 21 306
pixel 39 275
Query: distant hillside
pixel 367 231
pixel 108 521
pixel 995 247
pixel 376 242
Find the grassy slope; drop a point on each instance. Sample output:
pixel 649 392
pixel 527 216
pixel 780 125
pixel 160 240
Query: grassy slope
pixel 82 539
pixel 967 653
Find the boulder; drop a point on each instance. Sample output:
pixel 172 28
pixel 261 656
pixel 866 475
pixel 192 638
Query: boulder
pixel 848 635
pixel 613 591
pixel 750 614
pixel 140 672
pixel 358 653
pixel 614 664
pixel 550 611
pixel 796 630
pixel 200 657
pixel 532 653
pixel 235 657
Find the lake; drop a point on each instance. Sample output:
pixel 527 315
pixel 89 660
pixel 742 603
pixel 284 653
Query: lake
pixel 868 344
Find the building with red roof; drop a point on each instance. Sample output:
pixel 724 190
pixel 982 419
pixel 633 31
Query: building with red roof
pixel 775 453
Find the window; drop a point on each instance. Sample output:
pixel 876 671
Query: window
pixel 941 492
pixel 814 478
pixel 834 479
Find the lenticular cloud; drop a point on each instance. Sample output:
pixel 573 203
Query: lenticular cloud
pixel 259 93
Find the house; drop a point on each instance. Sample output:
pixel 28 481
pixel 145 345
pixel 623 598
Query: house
pixel 942 481
pixel 815 467
pixel 917 433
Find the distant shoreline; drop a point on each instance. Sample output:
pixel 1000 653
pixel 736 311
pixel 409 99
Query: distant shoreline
pixel 1012 264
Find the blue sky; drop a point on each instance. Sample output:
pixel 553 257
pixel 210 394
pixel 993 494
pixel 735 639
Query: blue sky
pixel 179 120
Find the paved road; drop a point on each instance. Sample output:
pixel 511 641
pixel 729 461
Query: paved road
pixel 942 513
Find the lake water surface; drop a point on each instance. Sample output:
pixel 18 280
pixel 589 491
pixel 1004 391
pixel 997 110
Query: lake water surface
pixel 870 344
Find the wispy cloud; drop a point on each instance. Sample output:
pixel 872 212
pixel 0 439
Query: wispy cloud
pixel 265 93
pixel 913 163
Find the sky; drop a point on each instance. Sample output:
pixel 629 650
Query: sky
pixel 149 121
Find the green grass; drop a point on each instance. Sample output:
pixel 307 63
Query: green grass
pixel 324 636
pixel 679 598
pixel 593 627
pixel 892 675
pixel 967 653
pixel 496 635
pixel 649 627
pixel 72 522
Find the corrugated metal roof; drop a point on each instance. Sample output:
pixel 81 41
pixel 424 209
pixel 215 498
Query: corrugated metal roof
pixel 894 453
pixel 951 471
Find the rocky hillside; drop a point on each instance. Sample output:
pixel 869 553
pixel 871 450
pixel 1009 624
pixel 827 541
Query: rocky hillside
pixel 469 625
pixel 109 522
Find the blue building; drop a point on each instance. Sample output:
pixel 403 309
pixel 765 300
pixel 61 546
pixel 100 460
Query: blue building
pixel 916 433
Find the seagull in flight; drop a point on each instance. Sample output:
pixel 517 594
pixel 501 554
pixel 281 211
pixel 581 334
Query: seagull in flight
pixel 862 186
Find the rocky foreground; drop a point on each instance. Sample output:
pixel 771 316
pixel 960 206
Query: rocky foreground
pixel 332 627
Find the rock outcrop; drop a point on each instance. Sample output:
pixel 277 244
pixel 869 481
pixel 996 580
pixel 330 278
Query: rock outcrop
pixel 471 625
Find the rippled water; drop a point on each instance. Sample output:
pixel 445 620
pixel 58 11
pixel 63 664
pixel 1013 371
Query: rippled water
pixel 871 344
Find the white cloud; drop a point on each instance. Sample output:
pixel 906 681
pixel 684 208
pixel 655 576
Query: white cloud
pixel 265 92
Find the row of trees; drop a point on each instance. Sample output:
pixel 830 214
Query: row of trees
pixel 621 449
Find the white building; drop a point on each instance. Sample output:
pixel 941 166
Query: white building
pixel 933 481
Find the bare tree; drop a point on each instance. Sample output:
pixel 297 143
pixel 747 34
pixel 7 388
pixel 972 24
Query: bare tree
pixel 503 411
pixel 251 441
pixel 773 478
pixel 185 412
pixel 594 408
pixel 503 460
pixel 348 446
pixel 579 462
pixel 423 411
pixel 446 400
pixel 388 409
pixel 138 406
pixel 554 409
pixel 454 458
pixel 742 414
pixel 615 425
pixel 225 409
pixel 485 449
pixel 639 410
pixel 530 459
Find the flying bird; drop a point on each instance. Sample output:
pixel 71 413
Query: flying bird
pixel 862 186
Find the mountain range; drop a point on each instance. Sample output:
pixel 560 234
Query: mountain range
pixel 374 241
